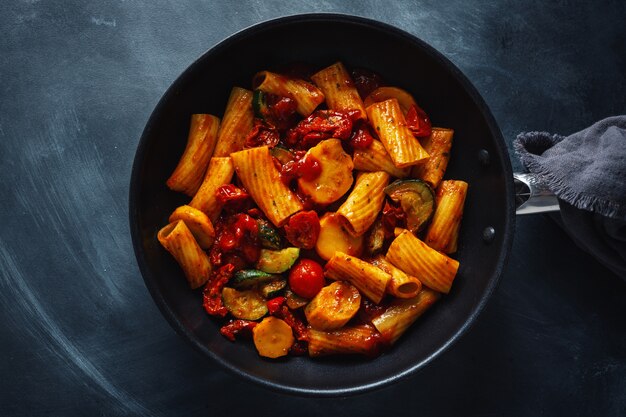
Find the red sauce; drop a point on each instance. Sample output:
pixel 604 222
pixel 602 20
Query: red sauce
pixel 322 124
pixel 212 293
pixel 418 121
pixel 235 327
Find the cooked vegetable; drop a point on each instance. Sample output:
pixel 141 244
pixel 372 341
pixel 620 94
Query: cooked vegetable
pixel 385 93
pixel 375 238
pixel 268 236
pixel 306 278
pixel 333 306
pixel 416 199
pixel 277 261
pixel 247 305
pixel 283 154
pixel 271 289
pixel 293 300
pixel 248 278
pixel 259 104
pixel 272 337
pixel 303 229
pixel 334 237
pixel 335 178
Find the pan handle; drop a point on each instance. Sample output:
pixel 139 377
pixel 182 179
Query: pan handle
pixel 532 196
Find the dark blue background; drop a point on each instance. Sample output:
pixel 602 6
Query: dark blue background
pixel 80 334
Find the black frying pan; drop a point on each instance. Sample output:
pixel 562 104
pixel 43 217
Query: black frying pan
pixel 479 157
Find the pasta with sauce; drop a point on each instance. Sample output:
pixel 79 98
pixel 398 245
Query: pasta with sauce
pixel 311 203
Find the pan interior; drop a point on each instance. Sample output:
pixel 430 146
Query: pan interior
pixel 403 61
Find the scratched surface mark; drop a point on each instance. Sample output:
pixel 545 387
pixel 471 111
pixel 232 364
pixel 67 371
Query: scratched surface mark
pixel 80 333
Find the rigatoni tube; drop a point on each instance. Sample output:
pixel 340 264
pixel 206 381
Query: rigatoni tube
pixel 438 146
pixel 306 95
pixel 219 172
pixel 339 90
pixel 256 170
pixel 443 232
pixel 177 239
pixel 376 158
pixel 236 123
pixel 362 339
pixel 434 269
pixel 192 165
pixel 370 280
pixel 401 284
pixel 364 202
pixel 401 313
pixel 387 119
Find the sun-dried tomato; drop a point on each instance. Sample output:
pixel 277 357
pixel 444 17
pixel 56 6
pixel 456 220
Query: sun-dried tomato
pixel 295 323
pixel 275 304
pixel 236 234
pixel 418 121
pixel 212 293
pixel 392 217
pixel 235 327
pixel 303 229
pixel 323 124
pixel 365 81
pixel 361 136
pixel 262 134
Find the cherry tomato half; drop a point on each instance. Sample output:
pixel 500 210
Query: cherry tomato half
pixel 306 278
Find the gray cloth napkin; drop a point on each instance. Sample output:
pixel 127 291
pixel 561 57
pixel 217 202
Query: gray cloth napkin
pixel 587 172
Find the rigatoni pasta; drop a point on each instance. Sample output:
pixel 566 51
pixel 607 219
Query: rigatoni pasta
pixel 219 172
pixel 376 158
pixel 364 202
pixel 434 269
pixel 370 280
pixel 306 95
pixel 307 227
pixel 339 90
pixel 190 170
pixel 387 119
pixel 401 313
pixel 178 240
pixel 438 146
pixel 443 232
pixel 236 123
pixel 256 170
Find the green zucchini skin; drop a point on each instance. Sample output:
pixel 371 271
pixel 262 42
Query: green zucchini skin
pixel 277 261
pixel 273 288
pixel 259 104
pixel 268 236
pixel 245 305
pixel 283 154
pixel 248 278
pixel 417 200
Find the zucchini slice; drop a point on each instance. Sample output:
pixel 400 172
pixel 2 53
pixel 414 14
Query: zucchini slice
pixel 272 337
pixel 246 305
pixel 416 199
pixel 277 261
pixel 268 236
pixel 283 154
pixel 248 278
pixel 273 288
pixel 375 238
pixel 259 104
pixel 294 301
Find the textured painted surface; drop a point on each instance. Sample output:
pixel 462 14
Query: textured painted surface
pixel 80 333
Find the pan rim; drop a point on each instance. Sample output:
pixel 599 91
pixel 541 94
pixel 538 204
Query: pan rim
pixel 456 73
